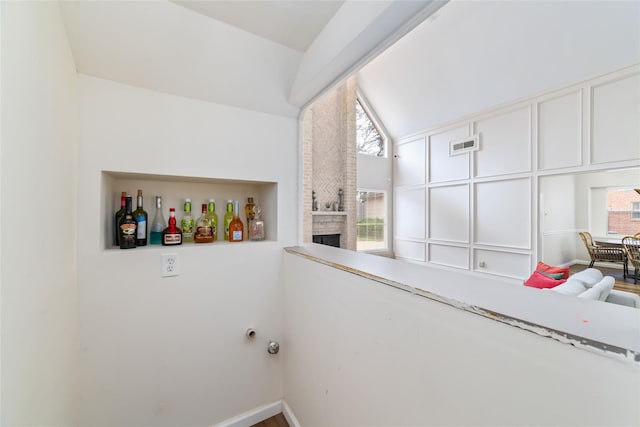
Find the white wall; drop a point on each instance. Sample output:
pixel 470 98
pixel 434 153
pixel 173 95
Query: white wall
pixel 488 210
pixel 172 351
pixel 557 210
pixel 475 55
pixel 361 353
pixel 39 143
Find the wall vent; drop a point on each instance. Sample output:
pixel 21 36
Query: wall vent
pixel 463 145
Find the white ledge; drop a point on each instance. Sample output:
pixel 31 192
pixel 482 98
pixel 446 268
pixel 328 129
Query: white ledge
pixel 604 327
pixel 328 213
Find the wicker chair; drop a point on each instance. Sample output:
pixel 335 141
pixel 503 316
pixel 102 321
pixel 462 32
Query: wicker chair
pixel 632 247
pixel 604 253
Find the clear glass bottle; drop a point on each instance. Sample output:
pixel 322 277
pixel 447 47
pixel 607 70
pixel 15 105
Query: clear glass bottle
pixel 141 217
pixel 116 219
pixel 249 214
pixel 158 224
pixel 204 232
pixel 228 216
pixel 127 226
pixel 213 218
pixel 172 235
pixel 256 226
pixel 188 222
pixel 236 228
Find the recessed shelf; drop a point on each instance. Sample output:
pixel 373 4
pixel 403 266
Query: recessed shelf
pixel 174 189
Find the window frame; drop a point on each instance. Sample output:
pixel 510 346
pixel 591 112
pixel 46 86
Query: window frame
pixel 385 222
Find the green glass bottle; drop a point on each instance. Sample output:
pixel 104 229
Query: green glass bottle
pixel 141 217
pixel 228 216
pixel 213 217
pixel 188 222
pixel 116 219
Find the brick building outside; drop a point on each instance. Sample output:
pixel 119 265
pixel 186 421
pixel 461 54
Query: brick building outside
pixel 623 209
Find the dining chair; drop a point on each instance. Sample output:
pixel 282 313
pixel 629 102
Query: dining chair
pixel 600 253
pixel 631 245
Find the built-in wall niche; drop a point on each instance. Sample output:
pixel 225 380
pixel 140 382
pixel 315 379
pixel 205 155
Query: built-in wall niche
pixel 174 189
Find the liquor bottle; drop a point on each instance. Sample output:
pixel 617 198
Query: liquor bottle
pixel 228 216
pixel 236 229
pixel 256 225
pixel 172 235
pixel 116 219
pixel 158 225
pixel 249 214
pixel 127 226
pixel 204 232
pixel 187 223
pixel 141 217
pixel 213 218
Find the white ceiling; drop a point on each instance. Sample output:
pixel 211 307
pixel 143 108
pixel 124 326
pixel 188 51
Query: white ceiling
pixel 475 55
pixel 239 58
pixel 292 23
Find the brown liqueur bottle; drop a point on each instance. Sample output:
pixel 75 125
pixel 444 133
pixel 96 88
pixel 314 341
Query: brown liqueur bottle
pixel 172 235
pixel 127 227
pixel 236 228
pixel 204 231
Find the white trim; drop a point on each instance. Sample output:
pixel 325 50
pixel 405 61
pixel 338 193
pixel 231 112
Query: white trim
pixel 253 416
pixel 289 415
pixel 262 413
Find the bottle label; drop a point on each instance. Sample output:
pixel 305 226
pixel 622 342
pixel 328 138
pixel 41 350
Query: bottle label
pixel 187 226
pixel 128 229
pixel 204 232
pixel 172 239
pixel 236 236
pixel 142 227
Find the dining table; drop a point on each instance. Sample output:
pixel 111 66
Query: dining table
pixel 608 241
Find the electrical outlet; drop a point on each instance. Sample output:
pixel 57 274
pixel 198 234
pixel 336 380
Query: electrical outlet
pixel 170 266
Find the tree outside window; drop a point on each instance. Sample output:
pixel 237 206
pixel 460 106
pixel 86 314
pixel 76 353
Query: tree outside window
pixel 368 139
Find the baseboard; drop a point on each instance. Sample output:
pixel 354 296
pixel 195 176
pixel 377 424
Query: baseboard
pixel 253 416
pixel 289 416
pixel 262 413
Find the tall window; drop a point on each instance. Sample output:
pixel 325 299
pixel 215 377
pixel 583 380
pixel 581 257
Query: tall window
pixel 368 138
pixel 371 221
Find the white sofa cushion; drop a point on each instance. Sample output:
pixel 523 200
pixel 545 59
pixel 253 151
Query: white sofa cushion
pixel 599 291
pixel 588 277
pixel 570 287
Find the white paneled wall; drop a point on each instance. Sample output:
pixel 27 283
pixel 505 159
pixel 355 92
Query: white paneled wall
pixel 560 131
pixel 483 210
pixel 504 143
pixel 615 124
pixel 448 168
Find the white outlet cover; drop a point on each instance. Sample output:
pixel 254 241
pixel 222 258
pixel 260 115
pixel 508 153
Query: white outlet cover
pixel 170 265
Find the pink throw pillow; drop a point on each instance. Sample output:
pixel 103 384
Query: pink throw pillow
pixel 551 269
pixel 540 281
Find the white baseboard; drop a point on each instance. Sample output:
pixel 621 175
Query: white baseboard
pixel 261 413
pixel 289 416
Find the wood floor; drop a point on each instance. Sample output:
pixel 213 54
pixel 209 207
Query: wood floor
pixel 621 284
pixel 276 421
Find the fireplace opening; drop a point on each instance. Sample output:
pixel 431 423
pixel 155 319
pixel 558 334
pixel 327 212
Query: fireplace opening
pixel 327 239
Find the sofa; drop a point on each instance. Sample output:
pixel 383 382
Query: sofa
pixel 591 284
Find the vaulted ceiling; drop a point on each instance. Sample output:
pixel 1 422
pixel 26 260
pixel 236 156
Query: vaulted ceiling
pixel 294 24
pixel 270 56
